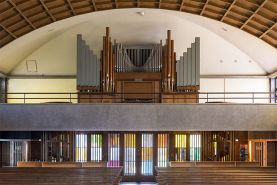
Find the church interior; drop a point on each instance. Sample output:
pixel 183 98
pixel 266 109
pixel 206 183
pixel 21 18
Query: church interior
pixel 153 92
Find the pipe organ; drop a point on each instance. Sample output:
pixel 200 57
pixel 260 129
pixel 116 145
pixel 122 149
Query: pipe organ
pixel 88 67
pixel 188 68
pixel 137 69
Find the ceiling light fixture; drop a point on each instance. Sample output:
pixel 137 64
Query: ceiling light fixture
pixel 50 30
pixel 224 29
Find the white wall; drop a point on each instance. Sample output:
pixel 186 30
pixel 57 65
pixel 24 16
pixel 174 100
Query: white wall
pixel 235 85
pixel 219 85
pixel 58 56
pixel 41 86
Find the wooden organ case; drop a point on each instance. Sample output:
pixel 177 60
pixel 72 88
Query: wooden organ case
pixel 137 74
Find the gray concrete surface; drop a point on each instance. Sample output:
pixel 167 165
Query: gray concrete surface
pixel 138 117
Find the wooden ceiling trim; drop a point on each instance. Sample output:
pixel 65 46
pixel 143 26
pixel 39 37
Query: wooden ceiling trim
pixel 94 6
pixel 258 9
pixel 257 17
pixel 69 3
pixel 181 6
pixel 217 6
pixel 22 14
pixel 243 7
pixel 204 7
pixel 48 11
pixel 265 16
pixel 268 30
pixel 253 2
pixel 231 5
pixel 7 30
pixel 226 1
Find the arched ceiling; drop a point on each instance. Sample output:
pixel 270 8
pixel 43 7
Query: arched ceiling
pixel 257 17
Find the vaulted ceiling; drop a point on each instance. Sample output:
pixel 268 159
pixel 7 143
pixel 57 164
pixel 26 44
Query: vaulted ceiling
pixel 257 17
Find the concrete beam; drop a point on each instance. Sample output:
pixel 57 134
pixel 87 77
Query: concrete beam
pixel 138 117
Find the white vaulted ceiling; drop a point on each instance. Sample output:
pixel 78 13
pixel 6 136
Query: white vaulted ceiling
pixel 55 51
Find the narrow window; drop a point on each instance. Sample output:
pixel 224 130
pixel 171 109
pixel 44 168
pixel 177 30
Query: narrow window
pixel 113 150
pixel 96 147
pixel 147 154
pixel 129 154
pixel 195 147
pixel 180 147
pixel 163 148
pixel 81 148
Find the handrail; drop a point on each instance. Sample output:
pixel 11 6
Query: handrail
pixel 114 96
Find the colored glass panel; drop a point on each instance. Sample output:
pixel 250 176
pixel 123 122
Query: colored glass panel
pixel 147 155
pixel 163 154
pixel 195 147
pixel 129 154
pixel 113 150
pixel 81 147
pixel 180 147
pixel 96 147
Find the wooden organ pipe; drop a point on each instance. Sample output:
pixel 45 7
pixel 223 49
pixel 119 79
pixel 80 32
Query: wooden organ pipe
pixel 107 57
pixel 111 67
pixel 113 72
pixel 163 73
pixel 168 58
pixel 165 68
pixel 104 63
pixel 172 65
pixel 174 71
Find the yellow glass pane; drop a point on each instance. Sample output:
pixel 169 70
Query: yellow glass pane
pixel 77 154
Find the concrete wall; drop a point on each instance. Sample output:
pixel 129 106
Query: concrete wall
pixel 138 117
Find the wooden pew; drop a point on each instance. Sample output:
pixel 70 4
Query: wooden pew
pixel 216 175
pixel 74 176
pixel 62 164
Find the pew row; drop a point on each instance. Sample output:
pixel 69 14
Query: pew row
pixel 214 164
pixel 63 164
pixel 50 176
pixel 216 175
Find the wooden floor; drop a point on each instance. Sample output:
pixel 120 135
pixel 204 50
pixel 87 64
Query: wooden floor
pixel 75 176
pixel 222 176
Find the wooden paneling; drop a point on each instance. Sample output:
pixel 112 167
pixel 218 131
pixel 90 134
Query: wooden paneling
pixel 143 76
pixel 95 164
pixel 180 98
pixel 29 164
pixel 119 90
pixel 271 153
pixel 62 164
pixel 138 87
pixel 262 135
pixel 35 150
pixel 167 98
pixel 157 90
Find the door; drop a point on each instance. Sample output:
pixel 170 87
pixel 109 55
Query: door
pixel 138 157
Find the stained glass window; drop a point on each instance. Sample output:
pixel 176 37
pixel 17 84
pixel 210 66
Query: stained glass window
pixel 96 147
pixel 163 148
pixel 81 147
pixel 195 147
pixel 147 154
pixel 180 147
pixel 129 154
pixel 113 150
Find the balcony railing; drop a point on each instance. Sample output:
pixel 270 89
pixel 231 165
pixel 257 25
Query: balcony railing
pixel 202 97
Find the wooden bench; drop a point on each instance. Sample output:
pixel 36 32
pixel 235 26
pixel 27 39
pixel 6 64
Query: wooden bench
pixel 39 176
pixel 216 175
pixel 62 164
pixel 213 164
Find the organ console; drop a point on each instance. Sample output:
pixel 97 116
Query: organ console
pixel 138 69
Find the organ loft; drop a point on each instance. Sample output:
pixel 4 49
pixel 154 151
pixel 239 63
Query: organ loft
pixel 134 114
pixel 152 71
